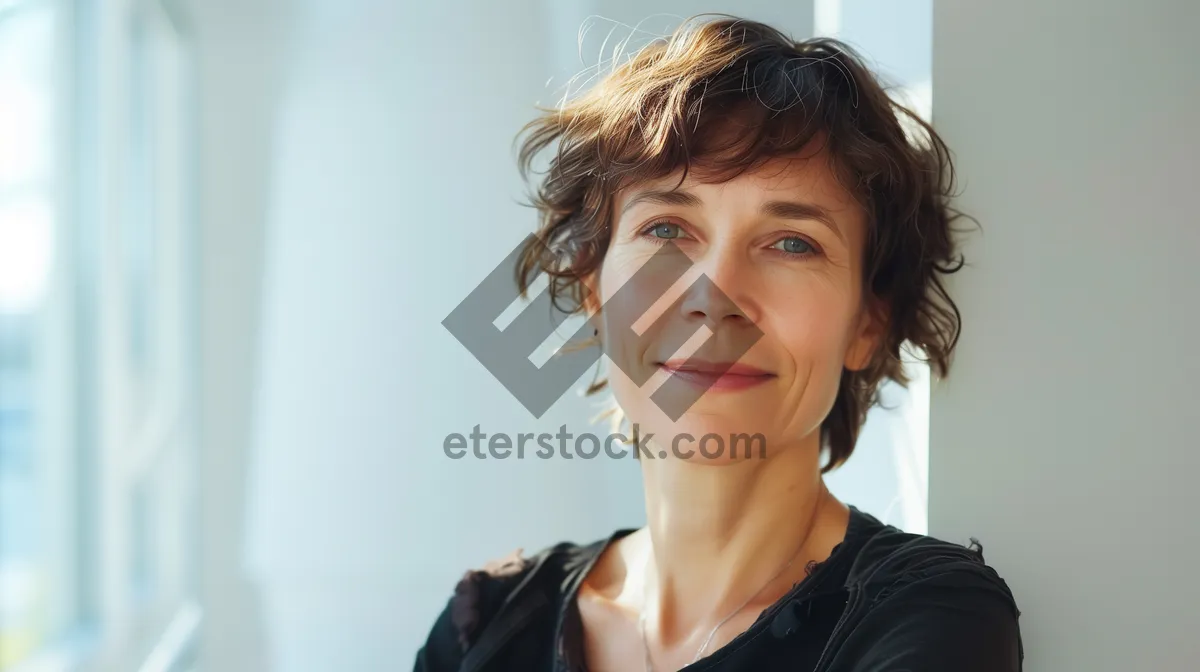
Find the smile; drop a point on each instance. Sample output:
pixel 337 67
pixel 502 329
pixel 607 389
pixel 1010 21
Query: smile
pixel 717 376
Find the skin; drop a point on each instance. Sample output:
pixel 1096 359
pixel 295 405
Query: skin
pixel 720 527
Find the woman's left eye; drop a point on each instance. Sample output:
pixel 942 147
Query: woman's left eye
pixel 794 245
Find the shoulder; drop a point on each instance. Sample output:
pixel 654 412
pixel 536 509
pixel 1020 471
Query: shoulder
pixel 932 604
pixel 482 593
pixel 889 560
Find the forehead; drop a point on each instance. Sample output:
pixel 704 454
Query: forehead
pixel 809 176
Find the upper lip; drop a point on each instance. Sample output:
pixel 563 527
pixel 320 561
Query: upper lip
pixel 704 366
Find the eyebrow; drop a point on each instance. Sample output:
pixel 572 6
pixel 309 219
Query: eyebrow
pixel 777 209
pixel 663 197
pixel 806 211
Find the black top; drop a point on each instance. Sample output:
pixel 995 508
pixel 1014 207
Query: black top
pixel 884 601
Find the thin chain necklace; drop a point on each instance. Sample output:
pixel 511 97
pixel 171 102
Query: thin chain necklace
pixel 735 612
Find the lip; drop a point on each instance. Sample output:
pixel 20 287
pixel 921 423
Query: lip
pixel 717 375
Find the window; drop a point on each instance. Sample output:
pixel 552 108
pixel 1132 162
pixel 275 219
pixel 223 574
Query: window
pixel 97 411
pixel 36 512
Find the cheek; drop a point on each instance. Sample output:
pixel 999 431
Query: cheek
pixel 633 292
pixel 634 286
pixel 808 329
pixel 640 270
pixel 810 323
pixel 804 337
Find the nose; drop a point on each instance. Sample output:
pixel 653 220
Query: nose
pixel 720 294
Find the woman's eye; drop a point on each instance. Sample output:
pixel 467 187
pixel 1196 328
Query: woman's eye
pixel 794 245
pixel 665 230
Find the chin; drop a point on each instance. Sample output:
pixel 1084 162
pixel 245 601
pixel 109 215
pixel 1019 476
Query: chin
pixel 748 423
pixel 714 437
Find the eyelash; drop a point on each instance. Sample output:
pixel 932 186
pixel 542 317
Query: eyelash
pixel 647 232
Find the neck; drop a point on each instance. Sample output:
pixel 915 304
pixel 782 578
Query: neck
pixel 719 533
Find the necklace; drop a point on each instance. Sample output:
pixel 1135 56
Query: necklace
pixel 735 612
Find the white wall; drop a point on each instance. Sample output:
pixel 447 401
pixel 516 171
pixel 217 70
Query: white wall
pixel 1066 436
pixel 394 192
pixel 240 48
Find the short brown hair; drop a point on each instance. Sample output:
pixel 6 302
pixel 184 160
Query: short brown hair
pixel 670 107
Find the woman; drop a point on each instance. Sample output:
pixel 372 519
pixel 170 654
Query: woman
pixel 769 191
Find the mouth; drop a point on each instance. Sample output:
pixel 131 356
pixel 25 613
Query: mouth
pixel 717 375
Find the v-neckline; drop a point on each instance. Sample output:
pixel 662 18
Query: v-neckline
pixel 569 607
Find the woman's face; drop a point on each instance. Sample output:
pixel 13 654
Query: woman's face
pixel 768 268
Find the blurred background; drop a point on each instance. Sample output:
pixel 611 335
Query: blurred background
pixel 229 232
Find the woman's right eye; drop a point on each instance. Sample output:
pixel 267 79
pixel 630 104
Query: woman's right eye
pixel 663 231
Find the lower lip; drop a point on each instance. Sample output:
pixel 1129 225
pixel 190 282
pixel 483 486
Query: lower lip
pixel 711 381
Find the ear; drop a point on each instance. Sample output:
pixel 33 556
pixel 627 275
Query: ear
pixel 869 332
